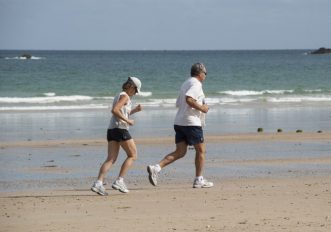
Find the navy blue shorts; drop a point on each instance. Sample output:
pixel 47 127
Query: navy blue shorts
pixel 118 135
pixel 192 135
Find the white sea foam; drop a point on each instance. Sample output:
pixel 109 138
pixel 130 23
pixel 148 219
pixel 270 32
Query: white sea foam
pixel 67 107
pixel 296 99
pixel 37 58
pixel 241 93
pixel 170 102
pixel 86 102
pixel 49 94
pixel 212 101
pixel 229 100
pixel 43 100
pixel 24 58
pixel 254 93
pixel 313 90
pixel 145 94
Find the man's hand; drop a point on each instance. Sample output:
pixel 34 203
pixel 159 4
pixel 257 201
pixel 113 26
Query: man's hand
pixel 194 104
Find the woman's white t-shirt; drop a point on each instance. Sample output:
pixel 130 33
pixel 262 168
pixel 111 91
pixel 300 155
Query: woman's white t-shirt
pixel 126 109
pixel 186 115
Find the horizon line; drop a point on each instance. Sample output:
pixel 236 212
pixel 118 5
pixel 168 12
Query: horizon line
pixel 163 50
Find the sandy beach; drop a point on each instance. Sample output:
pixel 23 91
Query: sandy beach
pixel 292 201
pixel 270 204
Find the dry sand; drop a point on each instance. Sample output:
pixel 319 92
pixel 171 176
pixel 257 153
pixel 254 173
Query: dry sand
pixel 287 204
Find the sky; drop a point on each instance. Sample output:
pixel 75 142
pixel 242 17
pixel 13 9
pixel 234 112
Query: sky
pixel 164 24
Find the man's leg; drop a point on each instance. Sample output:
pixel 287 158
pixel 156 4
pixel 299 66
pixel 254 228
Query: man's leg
pixel 153 170
pixel 181 149
pixel 200 156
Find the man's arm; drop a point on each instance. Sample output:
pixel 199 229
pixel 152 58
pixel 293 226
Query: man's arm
pixel 194 104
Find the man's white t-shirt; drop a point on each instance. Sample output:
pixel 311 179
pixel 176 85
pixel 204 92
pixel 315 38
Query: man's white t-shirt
pixel 186 115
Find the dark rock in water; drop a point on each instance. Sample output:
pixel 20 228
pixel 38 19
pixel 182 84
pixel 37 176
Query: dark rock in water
pixel 49 166
pixel 322 51
pixel 260 129
pixel 26 55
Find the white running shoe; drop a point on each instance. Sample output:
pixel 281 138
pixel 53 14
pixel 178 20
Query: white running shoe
pixel 120 185
pixel 99 189
pixel 202 184
pixel 151 169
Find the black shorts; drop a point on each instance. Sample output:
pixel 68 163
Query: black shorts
pixel 192 135
pixel 118 135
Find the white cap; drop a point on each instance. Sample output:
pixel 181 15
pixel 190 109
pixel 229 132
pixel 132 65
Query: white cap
pixel 136 82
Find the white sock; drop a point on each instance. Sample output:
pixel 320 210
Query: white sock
pixel 99 182
pixel 157 168
pixel 199 178
pixel 120 178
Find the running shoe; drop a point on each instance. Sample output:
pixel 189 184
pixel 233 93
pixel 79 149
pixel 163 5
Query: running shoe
pixel 120 185
pixel 202 184
pixel 99 189
pixel 151 169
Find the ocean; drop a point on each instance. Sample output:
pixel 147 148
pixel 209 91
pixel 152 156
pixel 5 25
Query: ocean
pixel 64 80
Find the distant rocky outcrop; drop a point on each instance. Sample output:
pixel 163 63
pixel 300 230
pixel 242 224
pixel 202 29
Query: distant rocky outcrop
pixel 26 56
pixel 321 51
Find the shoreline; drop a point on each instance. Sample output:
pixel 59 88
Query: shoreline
pixel 226 138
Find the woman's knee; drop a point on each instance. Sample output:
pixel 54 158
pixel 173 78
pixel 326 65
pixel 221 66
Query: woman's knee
pixel 110 160
pixel 133 156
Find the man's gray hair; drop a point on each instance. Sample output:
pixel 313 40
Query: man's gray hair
pixel 197 68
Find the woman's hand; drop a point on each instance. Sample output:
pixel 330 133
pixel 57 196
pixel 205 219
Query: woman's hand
pixel 130 122
pixel 136 109
pixel 139 108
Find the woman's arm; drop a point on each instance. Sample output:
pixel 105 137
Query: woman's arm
pixel 116 110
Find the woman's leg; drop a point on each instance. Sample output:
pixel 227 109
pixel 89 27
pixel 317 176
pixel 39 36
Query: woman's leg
pixel 129 147
pixel 113 150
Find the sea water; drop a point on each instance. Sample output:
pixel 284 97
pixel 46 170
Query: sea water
pixel 64 94
pixel 62 80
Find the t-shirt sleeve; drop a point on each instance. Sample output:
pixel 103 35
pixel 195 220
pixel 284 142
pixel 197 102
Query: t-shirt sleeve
pixel 193 92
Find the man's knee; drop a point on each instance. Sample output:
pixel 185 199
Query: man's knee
pixel 181 152
pixel 200 149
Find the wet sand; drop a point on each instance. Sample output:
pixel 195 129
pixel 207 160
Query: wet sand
pixel 233 138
